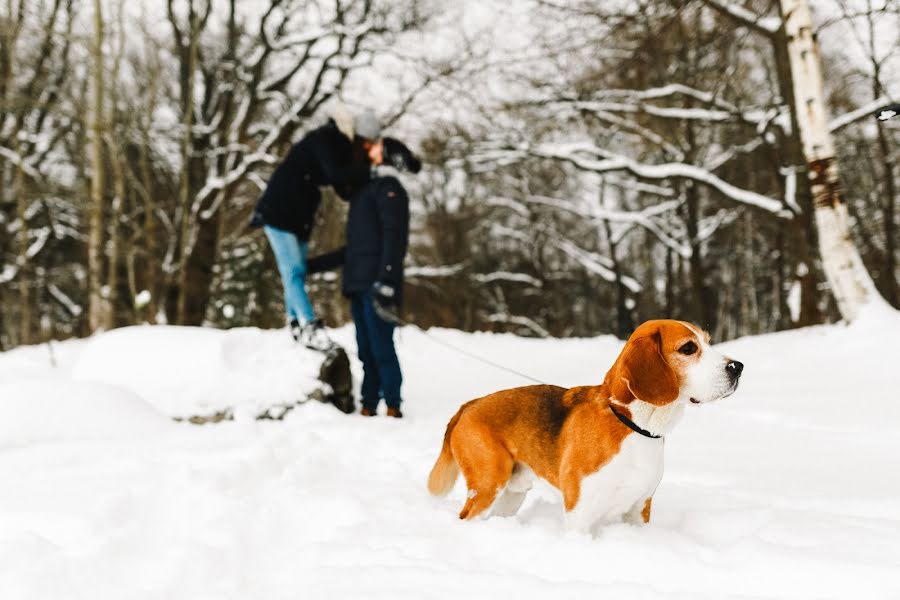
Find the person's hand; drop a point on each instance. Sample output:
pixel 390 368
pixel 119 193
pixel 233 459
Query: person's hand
pixel 376 153
pixel 399 156
pixel 384 300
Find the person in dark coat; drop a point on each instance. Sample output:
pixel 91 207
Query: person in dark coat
pixel 338 154
pixel 377 240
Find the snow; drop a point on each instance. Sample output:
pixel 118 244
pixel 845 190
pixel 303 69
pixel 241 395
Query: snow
pixel 187 371
pixel 785 490
pixel 142 299
pixel 59 410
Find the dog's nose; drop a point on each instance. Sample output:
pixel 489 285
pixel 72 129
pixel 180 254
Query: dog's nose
pixel 734 368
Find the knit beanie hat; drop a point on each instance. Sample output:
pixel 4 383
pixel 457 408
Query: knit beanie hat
pixel 366 125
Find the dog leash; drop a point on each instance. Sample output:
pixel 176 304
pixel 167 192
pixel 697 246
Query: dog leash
pixel 388 315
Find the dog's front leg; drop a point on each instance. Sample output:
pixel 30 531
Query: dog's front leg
pixel 639 514
pixel 578 518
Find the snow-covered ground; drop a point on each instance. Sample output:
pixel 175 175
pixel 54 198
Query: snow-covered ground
pixel 788 489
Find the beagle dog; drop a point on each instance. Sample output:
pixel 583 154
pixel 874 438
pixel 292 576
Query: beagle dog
pixel 601 446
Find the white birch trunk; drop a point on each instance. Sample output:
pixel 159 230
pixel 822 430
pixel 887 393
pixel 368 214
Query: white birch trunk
pixel 850 282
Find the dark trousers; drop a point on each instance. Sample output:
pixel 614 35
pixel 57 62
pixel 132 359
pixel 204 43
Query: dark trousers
pixel 375 339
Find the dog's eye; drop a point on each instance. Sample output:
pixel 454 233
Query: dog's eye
pixel 688 348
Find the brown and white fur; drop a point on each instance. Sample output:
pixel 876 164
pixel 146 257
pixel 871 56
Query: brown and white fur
pixel 605 470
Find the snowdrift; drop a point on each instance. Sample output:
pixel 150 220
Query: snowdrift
pixel 192 372
pixel 45 410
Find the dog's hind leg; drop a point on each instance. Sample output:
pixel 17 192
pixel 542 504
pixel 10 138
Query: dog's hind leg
pixel 510 500
pixel 486 466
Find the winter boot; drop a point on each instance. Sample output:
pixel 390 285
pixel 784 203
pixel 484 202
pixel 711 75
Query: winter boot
pixel 367 412
pixel 394 412
pixel 313 336
pixel 295 329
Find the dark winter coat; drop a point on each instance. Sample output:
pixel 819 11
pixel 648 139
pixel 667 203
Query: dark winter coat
pixel 377 238
pixel 325 156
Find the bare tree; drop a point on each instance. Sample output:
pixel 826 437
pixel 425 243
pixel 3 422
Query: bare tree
pixel 279 74
pixel 35 43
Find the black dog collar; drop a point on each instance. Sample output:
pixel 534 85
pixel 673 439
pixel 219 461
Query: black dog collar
pixel 631 424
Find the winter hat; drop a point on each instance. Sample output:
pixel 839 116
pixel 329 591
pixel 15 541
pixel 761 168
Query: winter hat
pixel 366 125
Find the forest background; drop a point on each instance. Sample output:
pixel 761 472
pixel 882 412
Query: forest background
pixel 588 165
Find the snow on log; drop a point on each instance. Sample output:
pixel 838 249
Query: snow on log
pixel 207 375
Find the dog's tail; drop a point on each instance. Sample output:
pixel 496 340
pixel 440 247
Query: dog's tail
pixel 445 470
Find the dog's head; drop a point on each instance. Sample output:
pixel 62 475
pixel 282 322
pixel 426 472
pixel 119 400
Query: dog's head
pixel 666 361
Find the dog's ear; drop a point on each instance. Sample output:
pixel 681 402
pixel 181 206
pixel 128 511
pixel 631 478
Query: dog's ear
pixel 642 372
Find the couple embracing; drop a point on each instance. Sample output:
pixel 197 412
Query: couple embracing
pixel 345 154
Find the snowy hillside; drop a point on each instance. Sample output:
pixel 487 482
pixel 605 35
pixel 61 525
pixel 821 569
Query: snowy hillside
pixel 788 489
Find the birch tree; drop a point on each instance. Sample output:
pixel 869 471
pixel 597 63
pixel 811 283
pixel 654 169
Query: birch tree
pixel 850 282
pixel 800 70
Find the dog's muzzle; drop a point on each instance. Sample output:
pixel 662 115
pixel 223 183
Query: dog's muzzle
pixel 734 369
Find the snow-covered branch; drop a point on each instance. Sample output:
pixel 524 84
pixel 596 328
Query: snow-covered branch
pixel 646 217
pixel 855 115
pixel 707 227
pixel 507 276
pixel 519 320
pixel 20 162
pixel 666 91
pixel 591 158
pixel 768 26
pixel 640 131
pixel 70 305
pixel 594 263
pixel 425 271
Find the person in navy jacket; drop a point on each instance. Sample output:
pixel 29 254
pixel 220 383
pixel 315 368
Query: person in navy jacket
pixel 377 240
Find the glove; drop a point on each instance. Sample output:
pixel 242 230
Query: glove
pixel 400 157
pixel 384 300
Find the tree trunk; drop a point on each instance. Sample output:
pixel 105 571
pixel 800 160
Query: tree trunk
pixel 703 310
pixel 25 306
pixel 151 258
pixel 184 200
pixel 195 288
pixel 888 279
pixel 624 324
pixel 114 259
pixel 782 316
pixel 799 233
pixel 850 282
pixel 98 309
pixel 193 234
pixel 670 283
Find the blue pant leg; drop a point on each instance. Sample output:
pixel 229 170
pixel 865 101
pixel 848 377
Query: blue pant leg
pixel 381 341
pixel 371 382
pixel 290 256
